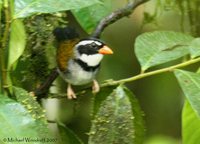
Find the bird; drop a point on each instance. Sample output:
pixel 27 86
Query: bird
pixel 78 60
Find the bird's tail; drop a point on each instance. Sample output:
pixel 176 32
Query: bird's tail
pixel 66 33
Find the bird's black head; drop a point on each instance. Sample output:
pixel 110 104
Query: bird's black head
pixel 92 46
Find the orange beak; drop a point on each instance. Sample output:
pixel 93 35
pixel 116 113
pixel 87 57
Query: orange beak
pixel 105 50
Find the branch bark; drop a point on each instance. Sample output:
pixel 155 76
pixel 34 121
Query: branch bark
pixel 116 15
pixel 43 89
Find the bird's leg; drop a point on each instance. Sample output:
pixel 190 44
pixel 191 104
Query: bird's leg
pixel 95 87
pixel 70 92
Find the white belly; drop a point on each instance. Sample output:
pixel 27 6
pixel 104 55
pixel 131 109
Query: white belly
pixel 77 76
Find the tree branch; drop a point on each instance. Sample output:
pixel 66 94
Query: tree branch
pixel 134 78
pixel 143 75
pixel 43 89
pixel 116 15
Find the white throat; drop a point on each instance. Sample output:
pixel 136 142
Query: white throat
pixel 91 60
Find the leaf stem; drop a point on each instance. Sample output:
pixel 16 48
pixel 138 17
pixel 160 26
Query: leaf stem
pixel 4 43
pixel 143 75
pixel 2 67
pixel 7 24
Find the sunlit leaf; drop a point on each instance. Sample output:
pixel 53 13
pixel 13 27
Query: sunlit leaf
pixel 190 125
pixel 30 103
pixel 68 136
pixel 190 84
pixel 17 41
pixel 89 17
pixel 154 48
pixel 24 8
pixel 16 122
pixel 195 48
pixel 118 120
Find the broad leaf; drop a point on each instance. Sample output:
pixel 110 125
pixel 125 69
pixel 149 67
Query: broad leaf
pixel 68 136
pixel 101 96
pixel 24 8
pixel 195 48
pixel 30 103
pixel 190 84
pixel 154 48
pixel 89 17
pixel 17 42
pixel 162 139
pixel 16 122
pixel 190 125
pixel 118 120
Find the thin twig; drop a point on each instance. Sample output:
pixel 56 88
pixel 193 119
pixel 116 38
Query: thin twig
pixel 143 75
pixel 116 15
pixel 40 92
pixel 137 77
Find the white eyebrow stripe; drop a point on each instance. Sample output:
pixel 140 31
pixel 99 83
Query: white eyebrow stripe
pixel 85 42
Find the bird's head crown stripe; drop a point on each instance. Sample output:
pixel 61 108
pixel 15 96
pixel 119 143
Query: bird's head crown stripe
pixel 85 42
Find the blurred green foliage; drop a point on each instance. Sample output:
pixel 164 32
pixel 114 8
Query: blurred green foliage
pixel 17 122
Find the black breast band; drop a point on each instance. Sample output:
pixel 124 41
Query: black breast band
pixel 85 66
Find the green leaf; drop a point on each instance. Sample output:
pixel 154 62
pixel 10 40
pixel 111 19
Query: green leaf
pixel 162 139
pixel 89 17
pixel 118 120
pixel 190 125
pixel 195 48
pixel 17 42
pixel 30 103
pixel 68 136
pixel 138 116
pixel 190 84
pixel 25 8
pixel 16 122
pixel 154 48
pixel 101 96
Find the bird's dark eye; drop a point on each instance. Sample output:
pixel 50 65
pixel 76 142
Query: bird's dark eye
pixel 93 45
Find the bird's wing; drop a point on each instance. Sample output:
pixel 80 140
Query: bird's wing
pixel 65 52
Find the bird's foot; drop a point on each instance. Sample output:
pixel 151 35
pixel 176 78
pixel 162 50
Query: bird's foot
pixel 95 87
pixel 70 92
